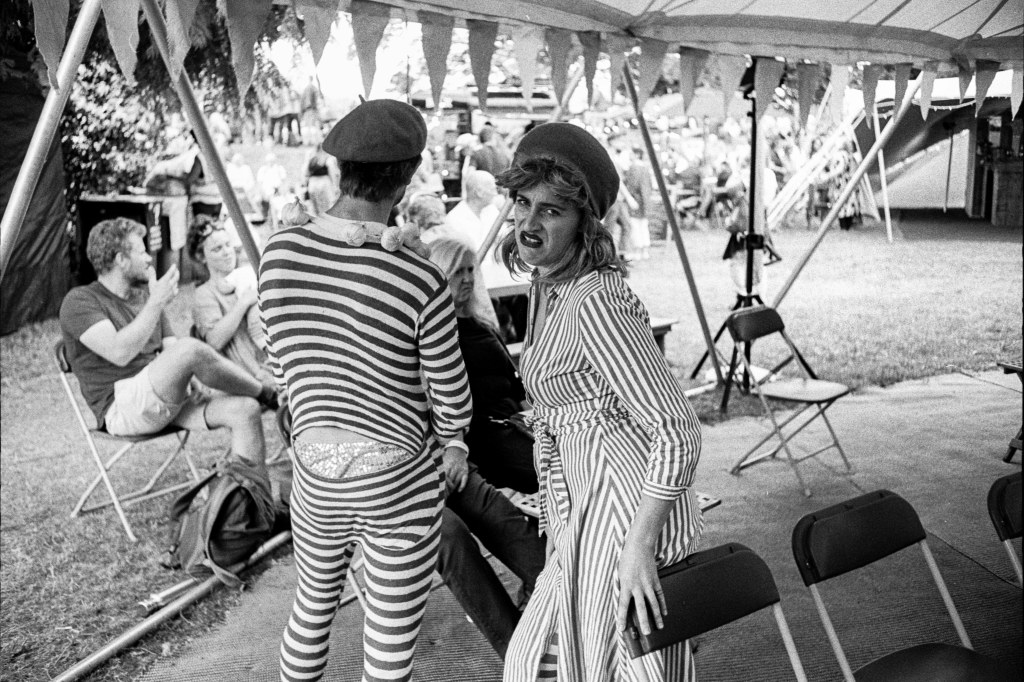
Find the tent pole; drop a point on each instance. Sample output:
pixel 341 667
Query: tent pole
pixel 949 170
pixel 885 183
pixel 194 112
pixel 850 187
pixel 46 127
pixel 670 214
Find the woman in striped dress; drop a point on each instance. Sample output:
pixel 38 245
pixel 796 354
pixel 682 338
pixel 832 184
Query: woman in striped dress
pixel 362 329
pixel 616 441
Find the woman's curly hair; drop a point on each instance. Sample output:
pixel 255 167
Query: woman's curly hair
pixel 592 249
pixel 199 231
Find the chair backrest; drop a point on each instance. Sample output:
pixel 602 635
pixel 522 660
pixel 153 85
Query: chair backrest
pixel 709 589
pixel 1004 506
pixel 852 534
pixel 748 324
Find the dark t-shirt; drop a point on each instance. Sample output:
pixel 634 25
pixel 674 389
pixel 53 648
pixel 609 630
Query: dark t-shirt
pixel 493 381
pixel 82 308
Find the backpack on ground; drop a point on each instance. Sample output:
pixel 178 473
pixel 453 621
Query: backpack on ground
pixel 210 536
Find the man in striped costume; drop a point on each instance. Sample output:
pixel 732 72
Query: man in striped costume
pixel 362 331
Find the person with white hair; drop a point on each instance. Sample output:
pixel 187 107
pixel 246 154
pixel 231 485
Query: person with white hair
pixel 473 217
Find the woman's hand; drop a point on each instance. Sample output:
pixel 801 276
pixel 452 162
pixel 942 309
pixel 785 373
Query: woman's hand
pixel 247 298
pixel 638 582
pixel 455 468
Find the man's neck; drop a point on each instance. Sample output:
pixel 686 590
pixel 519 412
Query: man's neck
pixel 116 283
pixel 351 208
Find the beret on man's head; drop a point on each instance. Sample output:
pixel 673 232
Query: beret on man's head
pixel 378 131
pixel 575 147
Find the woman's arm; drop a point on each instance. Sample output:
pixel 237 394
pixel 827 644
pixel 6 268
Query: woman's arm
pixel 215 327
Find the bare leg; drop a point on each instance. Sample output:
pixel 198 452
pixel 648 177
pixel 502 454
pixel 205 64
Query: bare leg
pixel 172 370
pixel 242 416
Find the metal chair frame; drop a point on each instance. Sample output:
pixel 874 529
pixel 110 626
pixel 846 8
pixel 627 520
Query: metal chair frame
pixel 749 324
pixel 1004 508
pixel 146 492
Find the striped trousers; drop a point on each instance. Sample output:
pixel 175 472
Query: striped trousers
pixel 395 516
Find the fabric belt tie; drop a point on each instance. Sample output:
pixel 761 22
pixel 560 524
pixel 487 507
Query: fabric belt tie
pixel 550 473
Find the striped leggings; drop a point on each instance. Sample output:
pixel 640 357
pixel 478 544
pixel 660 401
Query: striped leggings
pixel 395 515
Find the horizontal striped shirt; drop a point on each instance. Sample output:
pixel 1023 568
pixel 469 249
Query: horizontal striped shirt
pixel 363 339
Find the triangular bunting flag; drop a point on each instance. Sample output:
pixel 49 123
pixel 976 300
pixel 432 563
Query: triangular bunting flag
pixel 437 41
pixel 481 48
pixel 316 24
pixel 179 19
pixel 807 83
pixel 527 41
pixel 730 73
pixel 245 19
pixel 122 20
pixel 871 74
pixel 965 71
pixel 559 45
pixel 986 73
pixel 591 42
pixel 839 80
pixel 931 69
pixel 652 55
pixel 1017 88
pixel 51 29
pixel 900 79
pixel 691 65
pixel 369 19
pixel 617 47
pixel 767 74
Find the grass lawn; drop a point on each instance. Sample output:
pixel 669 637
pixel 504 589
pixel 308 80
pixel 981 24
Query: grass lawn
pixel 865 312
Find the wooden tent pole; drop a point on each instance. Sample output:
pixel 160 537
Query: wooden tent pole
pixel 670 214
pixel 885 183
pixel 849 189
pixel 46 127
pixel 214 164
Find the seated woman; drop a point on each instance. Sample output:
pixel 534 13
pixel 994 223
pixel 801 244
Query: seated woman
pixel 500 455
pixel 498 445
pixel 224 310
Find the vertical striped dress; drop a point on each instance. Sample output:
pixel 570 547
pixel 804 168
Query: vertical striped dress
pixel 611 423
pixel 364 340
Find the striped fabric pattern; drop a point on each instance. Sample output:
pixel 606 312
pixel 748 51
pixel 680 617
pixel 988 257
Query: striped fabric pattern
pixel 364 339
pixel 395 516
pixel 611 424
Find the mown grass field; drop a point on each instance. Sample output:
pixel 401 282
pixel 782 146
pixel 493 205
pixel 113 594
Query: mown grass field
pixel 866 312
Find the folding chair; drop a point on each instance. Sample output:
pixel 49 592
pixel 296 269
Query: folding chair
pixel 809 392
pixel 707 590
pixel 1004 508
pixel 858 532
pixel 144 493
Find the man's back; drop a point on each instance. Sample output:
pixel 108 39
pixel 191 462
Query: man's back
pixel 82 308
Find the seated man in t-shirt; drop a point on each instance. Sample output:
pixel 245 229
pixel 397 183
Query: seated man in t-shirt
pixel 135 375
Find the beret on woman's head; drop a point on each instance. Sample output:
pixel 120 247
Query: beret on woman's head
pixel 575 147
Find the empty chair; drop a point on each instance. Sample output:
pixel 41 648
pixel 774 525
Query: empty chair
pixel 858 532
pixel 709 589
pixel 1004 508
pixel 147 491
pixel 807 393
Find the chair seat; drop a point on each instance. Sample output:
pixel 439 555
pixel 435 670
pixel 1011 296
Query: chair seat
pixel 168 430
pixel 805 390
pixel 935 663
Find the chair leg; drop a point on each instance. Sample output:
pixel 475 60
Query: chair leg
pixel 1014 561
pixel 787 639
pixel 80 507
pixel 1014 446
pixel 146 492
pixel 835 439
pixel 110 489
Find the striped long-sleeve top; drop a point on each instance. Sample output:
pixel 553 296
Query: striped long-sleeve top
pixel 364 339
pixel 597 355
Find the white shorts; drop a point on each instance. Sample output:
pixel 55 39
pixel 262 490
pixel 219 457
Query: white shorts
pixel 137 410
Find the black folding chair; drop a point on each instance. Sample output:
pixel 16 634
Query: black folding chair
pixel 807 392
pixel 707 590
pixel 146 492
pixel 858 532
pixel 1004 508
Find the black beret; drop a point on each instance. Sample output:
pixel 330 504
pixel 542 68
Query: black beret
pixel 378 130
pixel 575 147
